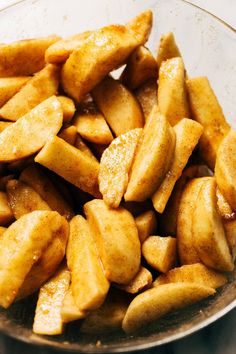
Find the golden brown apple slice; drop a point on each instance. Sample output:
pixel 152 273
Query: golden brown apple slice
pixel 23 244
pixel 160 252
pixel 32 131
pixel 167 48
pixel 171 93
pixel 141 67
pixel 69 311
pixel 186 249
pixel 117 240
pixel 146 224
pixel 153 158
pixel 60 51
pixel 69 134
pixel 24 57
pixel 225 170
pixel 41 183
pixel 118 105
pixel 147 97
pixel 208 231
pixel 23 199
pixel 48 319
pixel 154 303
pixel 41 86
pixel 192 273
pixel 142 281
pixel 91 125
pixel 187 134
pixel 48 263
pixel 88 282
pixel 90 63
pixel 115 166
pixel 68 108
pixel 64 159
pixel 9 86
pixel 207 111
pixel 109 316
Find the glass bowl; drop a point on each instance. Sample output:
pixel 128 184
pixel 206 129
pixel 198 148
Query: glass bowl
pixel 208 47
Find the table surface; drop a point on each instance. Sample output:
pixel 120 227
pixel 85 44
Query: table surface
pixel 217 338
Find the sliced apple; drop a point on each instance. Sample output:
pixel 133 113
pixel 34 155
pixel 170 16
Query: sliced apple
pixel 109 316
pixel 208 231
pixel 167 48
pixel 206 110
pixel 88 282
pixel 117 240
pixel 192 273
pixel 157 302
pixel 153 158
pixel 225 170
pixel 69 311
pixel 64 159
pixel 171 94
pixel 142 281
pixel 118 105
pixel 146 94
pixel 24 57
pixel 91 125
pixel 48 319
pixel 160 252
pixel 83 70
pixel 23 244
pixel 32 131
pixel 115 166
pixel 23 199
pixel 9 86
pixel 187 134
pixel 141 67
pixel 186 249
pixel 146 224
pixel 41 86
pixel 42 184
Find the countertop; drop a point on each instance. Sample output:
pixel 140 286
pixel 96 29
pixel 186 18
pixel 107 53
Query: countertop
pixel 217 338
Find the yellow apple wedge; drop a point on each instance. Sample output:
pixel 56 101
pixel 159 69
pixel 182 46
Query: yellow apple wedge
pixel 167 48
pixel 207 111
pixel 208 231
pixel 69 311
pixel 146 94
pixel 88 282
pixel 23 199
pixel 115 166
pixel 9 86
pixel 171 93
pixel 40 87
pixel 118 105
pixel 154 303
pixel 153 158
pixel 160 252
pixel 117 240
pixel 41 183
pixel 187 134
pixel 186 249
pixel 141 282
pixel 225 170
pixel 141 67
pixel 24 57
pixel 48 318
pixel 62 158
pixel 90 63
pixel 146 224
pixel 192 273
pixel 23 244
pixel 32 131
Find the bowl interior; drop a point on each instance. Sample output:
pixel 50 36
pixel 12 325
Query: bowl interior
pixel 208 47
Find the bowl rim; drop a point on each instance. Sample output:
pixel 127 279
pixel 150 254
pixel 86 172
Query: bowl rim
pixel 45 342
